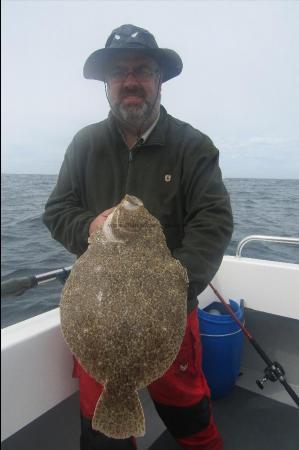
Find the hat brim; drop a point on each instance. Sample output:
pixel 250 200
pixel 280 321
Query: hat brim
pixel 169 61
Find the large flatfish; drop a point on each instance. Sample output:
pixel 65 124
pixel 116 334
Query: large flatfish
pixel 123 313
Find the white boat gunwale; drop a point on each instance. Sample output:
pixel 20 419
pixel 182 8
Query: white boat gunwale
pixel 35 347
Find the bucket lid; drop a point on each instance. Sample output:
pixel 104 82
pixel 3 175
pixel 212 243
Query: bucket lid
pixel 223 316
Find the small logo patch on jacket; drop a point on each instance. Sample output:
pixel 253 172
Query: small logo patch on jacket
pixel 167 178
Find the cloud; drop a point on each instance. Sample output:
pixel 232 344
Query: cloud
pixel 260 157
pixel 239 85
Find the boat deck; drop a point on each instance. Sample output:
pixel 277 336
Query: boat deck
pixel 249 421
pixel 246 420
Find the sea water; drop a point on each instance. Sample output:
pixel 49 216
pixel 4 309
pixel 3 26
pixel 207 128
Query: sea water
pixel 260 206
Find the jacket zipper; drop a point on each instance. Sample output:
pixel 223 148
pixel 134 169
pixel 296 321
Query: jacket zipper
pixel 138 144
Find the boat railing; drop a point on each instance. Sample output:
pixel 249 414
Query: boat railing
pixel 264 238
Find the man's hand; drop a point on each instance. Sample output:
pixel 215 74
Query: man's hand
pixel 99 219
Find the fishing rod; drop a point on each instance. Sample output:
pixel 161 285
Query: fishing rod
pixel 273 371
pixel 18 285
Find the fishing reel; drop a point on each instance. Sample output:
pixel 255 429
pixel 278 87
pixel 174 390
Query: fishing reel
pixel 273 373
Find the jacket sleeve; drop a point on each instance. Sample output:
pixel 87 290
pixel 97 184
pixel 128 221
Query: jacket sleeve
pixel 208 222
pixel 65 216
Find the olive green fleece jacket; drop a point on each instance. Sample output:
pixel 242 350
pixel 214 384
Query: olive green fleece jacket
pixel 175 173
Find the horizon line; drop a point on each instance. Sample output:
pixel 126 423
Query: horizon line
pixel 224 178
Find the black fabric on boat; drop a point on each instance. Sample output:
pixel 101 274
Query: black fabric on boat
pixel 249 421
pixel 184 421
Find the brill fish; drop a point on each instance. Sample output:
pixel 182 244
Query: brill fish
pixel 123 313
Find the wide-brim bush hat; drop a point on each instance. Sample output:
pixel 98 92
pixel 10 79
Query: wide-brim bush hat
pixel 130 37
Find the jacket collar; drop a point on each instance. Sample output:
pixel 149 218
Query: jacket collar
pixel 157 135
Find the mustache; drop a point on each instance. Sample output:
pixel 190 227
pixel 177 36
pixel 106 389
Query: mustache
pixel 135 90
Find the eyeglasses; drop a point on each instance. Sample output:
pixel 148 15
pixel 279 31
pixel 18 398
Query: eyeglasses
pixel 141 74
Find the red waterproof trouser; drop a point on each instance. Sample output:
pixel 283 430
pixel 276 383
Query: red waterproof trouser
pixel 181 396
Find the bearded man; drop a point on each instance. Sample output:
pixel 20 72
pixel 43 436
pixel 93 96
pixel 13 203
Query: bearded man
pixel 173 168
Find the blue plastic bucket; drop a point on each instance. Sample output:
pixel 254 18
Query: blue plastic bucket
pixel 222 344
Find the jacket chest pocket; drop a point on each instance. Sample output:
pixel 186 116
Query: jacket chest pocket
pixel 166 191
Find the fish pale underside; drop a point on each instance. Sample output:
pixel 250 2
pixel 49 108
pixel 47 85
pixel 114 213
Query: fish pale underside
pixel 123 313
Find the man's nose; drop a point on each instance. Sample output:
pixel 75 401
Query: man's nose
pixel 130 79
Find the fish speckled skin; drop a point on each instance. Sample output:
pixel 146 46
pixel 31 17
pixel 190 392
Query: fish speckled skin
pixel 123 313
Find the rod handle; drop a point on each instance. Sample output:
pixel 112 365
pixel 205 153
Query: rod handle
pixel 17 286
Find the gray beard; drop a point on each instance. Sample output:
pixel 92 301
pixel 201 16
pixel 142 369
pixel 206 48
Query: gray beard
pixel 134 116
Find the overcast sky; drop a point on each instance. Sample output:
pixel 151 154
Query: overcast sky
pixel 239 85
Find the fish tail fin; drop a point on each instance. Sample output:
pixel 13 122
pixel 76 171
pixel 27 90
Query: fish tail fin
pixel 118 413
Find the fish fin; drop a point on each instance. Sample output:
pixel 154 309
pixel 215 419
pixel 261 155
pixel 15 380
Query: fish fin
pixel 119 413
